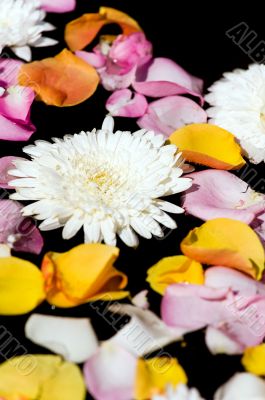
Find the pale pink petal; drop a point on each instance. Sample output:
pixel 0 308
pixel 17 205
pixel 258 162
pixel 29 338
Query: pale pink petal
pixel 145 332
pixel 31 240
pixel 219 343
pixel 222 277
pixel 170 113
pixel 16 103
pixel 6 164
pixel 125 103
pixel 163 77
pixel 220 194
pixel 258 224
pixel 58 6
pixel 113 82
pixel 110 373
pixel 193 307
pixel 9 71
pixel 95 59
pixel 73 338
pixel 242 386
pixel 14 130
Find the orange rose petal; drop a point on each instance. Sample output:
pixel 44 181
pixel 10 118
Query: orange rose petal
pixel 208 145
pixel 82 31
pixel 64 80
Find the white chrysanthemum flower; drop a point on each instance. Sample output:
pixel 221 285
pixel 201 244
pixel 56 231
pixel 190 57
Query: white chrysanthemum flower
pixel 21 26
pixel 109 183
pixel 182 392
pixel 238 101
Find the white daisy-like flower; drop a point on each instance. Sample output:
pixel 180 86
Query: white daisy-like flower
pixel 21 26
pixel 109 183
pixel 181 392
pixel 238 105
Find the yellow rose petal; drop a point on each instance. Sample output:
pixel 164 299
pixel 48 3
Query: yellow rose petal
pixel 21 286
pixel 208 145
pixel 226 242
pixel 254 359
pixel 176 269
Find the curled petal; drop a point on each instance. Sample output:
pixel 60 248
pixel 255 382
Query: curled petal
pixel 226 242
pixel 176 269
pixel 72 338
pixel 97 60
pixel 208 145
pixel 163 77
pixel 16 103
pixel 83 274
pixel 123 103
pixel 58 6
pixel 82 31
pixel 21 286
pixel 242 386
pixel 117 366
pixel 220 343
pixel 14 130
pixel 43 377
pixel 171 113
pixel 208 197
pixel 64 80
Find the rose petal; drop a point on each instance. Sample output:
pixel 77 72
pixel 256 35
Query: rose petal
pixel 163 77
pixel 254 360
pixel 58 6
pixel 117 366
pixel 9 71
pixel 21 286
pixel 123 103
pixel 208 145
pixel 45 377
pixel 15 105
pixel 226 242
pixel 72 338
pixel 85 273
pixel 97 60
pixel 154 375
pixel 242 386
pixel 170 113
pixel 221 277
pixel 82 31
pixel 14 130
pixel 220 343
pixel 208 199
pixel 176 269
pixel 64 80
pixel 145 332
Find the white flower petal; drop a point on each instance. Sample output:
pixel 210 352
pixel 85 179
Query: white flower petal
pixel 23 52
pixel 72 338
pixel 242 386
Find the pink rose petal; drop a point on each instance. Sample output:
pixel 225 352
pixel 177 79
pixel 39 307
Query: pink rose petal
pixel 220 194
pixel 110 373
pixel 14 130
pixel 123 103
pixel 16 103
pixel 58 6
pixel 9 70
pixel 170 113
pixel 95 59
pixel 163 77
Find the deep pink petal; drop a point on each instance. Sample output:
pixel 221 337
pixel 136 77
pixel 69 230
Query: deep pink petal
pixel 58 6
pixel 220 194
pixel 15 131
pixel 125 103
pixel 110 373
pixel 163 77
pixel 30 240
pixel 95 59
pixel 10 218
pixel 16 103
pixel 6 163
pixel 9 72
pixel 192 306
pixel 222 277
pixel 170 113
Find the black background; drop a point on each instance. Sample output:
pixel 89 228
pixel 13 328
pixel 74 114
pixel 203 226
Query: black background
pixel 195 37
